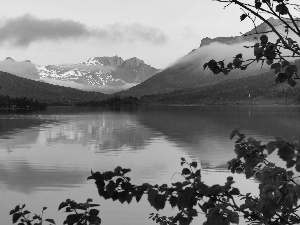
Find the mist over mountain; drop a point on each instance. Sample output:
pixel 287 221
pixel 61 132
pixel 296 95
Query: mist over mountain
pixel 24 69
pixel 188 71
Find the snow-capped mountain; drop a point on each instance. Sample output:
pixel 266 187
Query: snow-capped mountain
pixel 107 73
pixel 80 73
pixel 101 74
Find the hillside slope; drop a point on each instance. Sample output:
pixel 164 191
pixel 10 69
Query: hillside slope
pixel 246 90
pixel 15 86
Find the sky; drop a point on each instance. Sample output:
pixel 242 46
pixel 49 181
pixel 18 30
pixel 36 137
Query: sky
pixel 72 31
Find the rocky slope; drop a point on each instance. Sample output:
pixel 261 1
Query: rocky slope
pixel 134 70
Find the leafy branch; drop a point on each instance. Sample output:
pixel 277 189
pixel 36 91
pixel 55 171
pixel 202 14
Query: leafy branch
pixel 264 50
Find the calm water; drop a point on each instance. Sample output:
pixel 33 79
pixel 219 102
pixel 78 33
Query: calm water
pixel 45 157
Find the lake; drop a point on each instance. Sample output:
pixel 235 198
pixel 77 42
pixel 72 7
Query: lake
pixel 46 156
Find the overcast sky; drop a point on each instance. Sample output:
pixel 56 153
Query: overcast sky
pixel 72 31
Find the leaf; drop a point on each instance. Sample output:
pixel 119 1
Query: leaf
pixel 239 56
pixel 73 218
pixel 185 221
pixel 243 16
pixel 233 217
pixel 50 221
pixel 284 63
pixel 281 77
pixel 297 167
pixel 185 171
pixel 139 193
pixel 94 205
pixel 184 197
pixel 173 201
pixel 286 153
pixel 110 187
pixel 229 66
pixel 271 146
pixel 234 191
pixel 258 4
pixel 234 132
pixel 16 217
pixel 12 211
pixel 215 189
pixel 194 164
pixel 282 9
pixel 62 205
pixel 276 67
pixel 44 208
pixel 264 39
pixel 152 194
pixel 290 163
pixel 94 212
pixel 290 70
pixel 160 202
pixel 297 190
pixel 254 142
pixel 124 171
pixel 26 212
pixel 292 82
pixel 270 52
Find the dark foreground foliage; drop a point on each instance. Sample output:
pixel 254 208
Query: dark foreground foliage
pixel 277 203
pixel 222 203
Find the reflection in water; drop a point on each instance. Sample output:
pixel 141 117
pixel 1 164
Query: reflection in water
pixel 54 151
pixel 22 176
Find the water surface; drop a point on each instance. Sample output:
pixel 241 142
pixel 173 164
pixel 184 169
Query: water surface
pixel 45 157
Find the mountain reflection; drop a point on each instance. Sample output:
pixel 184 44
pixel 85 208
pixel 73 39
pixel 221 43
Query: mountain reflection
pixel 26 177
pixel 202 132
pixel 106 131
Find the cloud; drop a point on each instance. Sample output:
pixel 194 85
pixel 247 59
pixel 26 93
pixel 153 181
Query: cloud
pixel 25 30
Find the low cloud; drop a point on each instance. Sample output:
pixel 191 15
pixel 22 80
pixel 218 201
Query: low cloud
pixel 25 30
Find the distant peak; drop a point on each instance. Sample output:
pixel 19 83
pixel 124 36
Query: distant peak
pixel 9 58
pixel 113 61
pixel 134 61
pixel 27 60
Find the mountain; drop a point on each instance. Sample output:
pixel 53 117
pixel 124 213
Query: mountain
pixel 102 74
pixel 249 36
pixel 15 86
pixel 134 70
pixel 244 90
pixel 80 73
pixel 24 69
pixel 188 72
pixel 113 62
